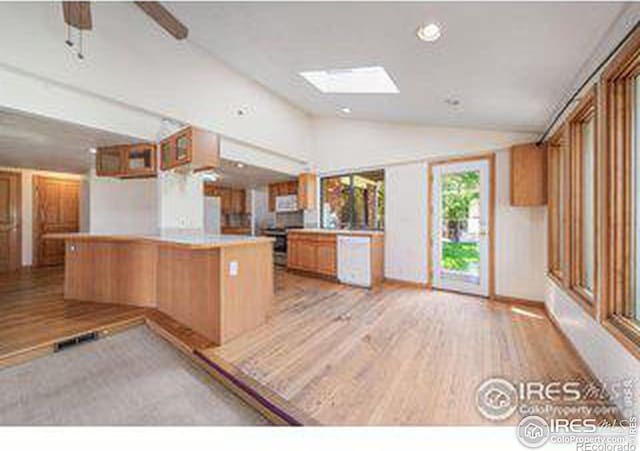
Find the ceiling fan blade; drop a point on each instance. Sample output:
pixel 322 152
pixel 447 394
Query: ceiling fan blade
pixel 77 14
pixel 164 18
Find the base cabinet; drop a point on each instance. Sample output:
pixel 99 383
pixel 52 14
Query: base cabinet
pixel 318 253
pixel 326 257
pixel 313 253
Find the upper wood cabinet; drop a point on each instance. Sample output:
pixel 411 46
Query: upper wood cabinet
pixel 528 175
pixel 139 160
pixel 238 201
pixel 307 186
pixel 281 189
pixel 127 161
pixel 232 200
pixel 192 146
pixel 109 162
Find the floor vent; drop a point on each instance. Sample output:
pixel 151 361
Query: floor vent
pixel 66 344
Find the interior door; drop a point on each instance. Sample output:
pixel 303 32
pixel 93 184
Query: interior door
pixel 10 219
pixel 460 226
pixel 56 210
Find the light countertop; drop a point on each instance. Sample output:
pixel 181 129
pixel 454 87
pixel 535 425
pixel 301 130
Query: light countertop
pixel 188 239
pixel 339 232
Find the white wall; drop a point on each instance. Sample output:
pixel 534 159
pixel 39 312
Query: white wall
pixel 26 228
pixel 123 206
pixel 520 250
pixel 180 201
pixel 521 247
pixel 403 150
pixel 231 149
pixel 406 222
pixel 170 201
pixel 344 144
pixel 133 62
pixel 608 359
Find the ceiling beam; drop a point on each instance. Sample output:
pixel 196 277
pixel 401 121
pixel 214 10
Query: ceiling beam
pixel 77 14
pixel 164 18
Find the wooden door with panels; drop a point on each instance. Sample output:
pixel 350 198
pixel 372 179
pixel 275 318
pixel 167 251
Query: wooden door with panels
pixel 10 221
pixel 56 209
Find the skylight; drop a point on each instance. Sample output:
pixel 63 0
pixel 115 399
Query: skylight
pixel 359 80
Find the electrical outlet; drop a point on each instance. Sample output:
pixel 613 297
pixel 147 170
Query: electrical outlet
pixel 233 268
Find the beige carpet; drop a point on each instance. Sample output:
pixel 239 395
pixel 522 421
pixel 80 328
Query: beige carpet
pixel 132 378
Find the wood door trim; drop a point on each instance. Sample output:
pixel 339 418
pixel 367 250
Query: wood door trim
pixel 491 158
pixel 17 259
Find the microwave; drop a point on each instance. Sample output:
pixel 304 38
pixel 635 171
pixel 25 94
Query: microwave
pixel 286 203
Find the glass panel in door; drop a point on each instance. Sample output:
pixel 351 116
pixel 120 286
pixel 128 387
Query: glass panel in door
pixel 460 221
pixel 460 226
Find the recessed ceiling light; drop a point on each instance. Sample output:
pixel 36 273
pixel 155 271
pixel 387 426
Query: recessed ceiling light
pixel 93 150
pixel 429 32
pixel 345 110
pixel 359 80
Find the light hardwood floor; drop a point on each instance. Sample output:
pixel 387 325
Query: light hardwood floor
pixel 34 315
pixel 398 355
pixel 330 353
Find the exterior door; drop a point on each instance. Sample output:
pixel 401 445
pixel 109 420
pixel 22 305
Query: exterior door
pixel 56 210
pixel 10 221
pixel 460 224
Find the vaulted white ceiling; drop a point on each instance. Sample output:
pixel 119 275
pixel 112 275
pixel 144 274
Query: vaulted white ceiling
pixel 509 64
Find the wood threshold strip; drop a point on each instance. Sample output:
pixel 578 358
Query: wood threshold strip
pixel 246 388
pixel 270 405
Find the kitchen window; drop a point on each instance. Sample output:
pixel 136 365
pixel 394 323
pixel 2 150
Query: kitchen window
pixel 353 201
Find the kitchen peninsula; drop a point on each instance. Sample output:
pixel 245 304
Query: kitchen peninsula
pixel 219 286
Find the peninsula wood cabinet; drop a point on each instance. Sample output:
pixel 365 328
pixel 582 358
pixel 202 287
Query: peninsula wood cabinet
pixel 192 147
pixel 528 175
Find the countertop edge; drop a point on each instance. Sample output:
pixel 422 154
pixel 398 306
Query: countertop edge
pixel 158 240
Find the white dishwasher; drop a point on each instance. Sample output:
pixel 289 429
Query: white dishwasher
pixel 354 260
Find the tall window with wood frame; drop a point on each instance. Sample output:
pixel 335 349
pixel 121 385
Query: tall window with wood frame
pixel 620 86
pixel 557 182
pixel 582 139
